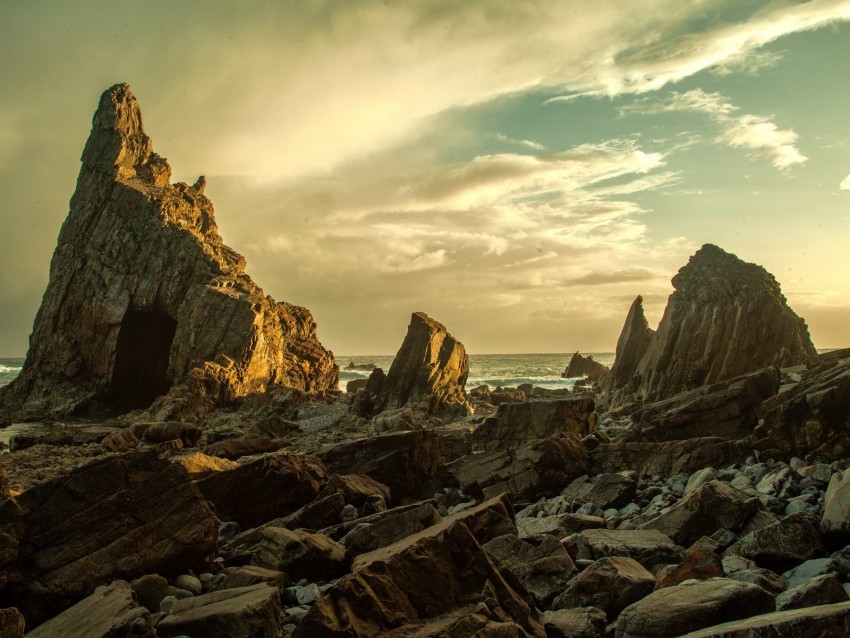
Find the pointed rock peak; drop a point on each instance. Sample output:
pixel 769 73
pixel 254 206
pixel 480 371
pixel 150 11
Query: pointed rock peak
pixel 117 145
pixel 713 269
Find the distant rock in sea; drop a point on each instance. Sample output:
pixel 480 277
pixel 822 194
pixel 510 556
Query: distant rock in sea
pixel 362 367
pixel 145 306
pixel 580 366
pixel 725 318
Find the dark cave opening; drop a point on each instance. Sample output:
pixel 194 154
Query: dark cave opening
pixel 140 373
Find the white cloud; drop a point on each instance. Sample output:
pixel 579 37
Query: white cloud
pixel 753 133
pixel 749 63
pixel 845 184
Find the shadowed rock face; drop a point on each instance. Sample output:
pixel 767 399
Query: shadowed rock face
pixel 145 300
pixel 725 318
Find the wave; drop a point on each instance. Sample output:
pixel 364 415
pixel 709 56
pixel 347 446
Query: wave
pixel 9 368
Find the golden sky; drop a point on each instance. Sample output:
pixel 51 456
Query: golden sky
pixel 518 170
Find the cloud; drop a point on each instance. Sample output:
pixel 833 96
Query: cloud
pixel 749 63
pixel 526 143
pixel 845 184
pixel 605 278
pixel 753 133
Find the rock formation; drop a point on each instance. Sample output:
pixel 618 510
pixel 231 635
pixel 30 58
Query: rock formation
pixel 427 375
pixel 580 366
pixel 725 318
pixel 145 300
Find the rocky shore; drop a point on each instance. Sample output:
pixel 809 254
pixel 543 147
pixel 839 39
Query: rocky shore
pixel 700 487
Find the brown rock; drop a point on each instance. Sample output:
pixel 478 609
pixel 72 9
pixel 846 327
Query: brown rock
pixel 542 467
pixel 246 445
pixel 768 580
pixel 60 436
pixel 110 611
pixel 164 308
pixel 610 584
pixel 122 440
pixel 810 419
pixel 670 457
pixel 542 565
pixel 386 528
pixel 824 621
pixel 243 612
pixel 580 366
pixel 728 409
pixel 672 611
pixel 198 464
pixel 632 344
pixel 612 490
pixel 272 486
pixel 699 564
pixel 428 373
pixel 406 462
pixel 782 545
pixel 647 547
pixel 118 517
pixel 300 554
pixel 432 578
pixel 248 575
pixel 820 590
pixel 724 319
pixel 518 424
pixel 587 622
pixel 11 623
pixel 150 589
pixel 836 507
pixel 187 433
pixel 714 505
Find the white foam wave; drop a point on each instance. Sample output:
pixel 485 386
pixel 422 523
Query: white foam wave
pixel 9 368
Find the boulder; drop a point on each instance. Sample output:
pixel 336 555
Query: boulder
pixel 647 547
pixel 61 436
pixel 428 374
pixel 248 575
pixel 811 622
pixel 406 462
pixel 186 433
pixel 727 409
pixel 111 610
pixel 118 517
pixel 768 580
pixel 246 445
pixel 820 590
pixel 613 490
pixel 610 584
pixel 693 605
pixel 542 467
pixel 836 507
pixel 385 528
pixel 542 565
pixel 713 506
pixel 580 366
pixel 278 484
pixel 243 612
pixel 784 544
pixel 812 418
pixel 427 582
pixel 300 554
pixel 150 589
pixel 11 623
pixel 198 464
pixel 518 424
pixel 145 300
pixel 586 622
pixel 699 564
pixel 725 318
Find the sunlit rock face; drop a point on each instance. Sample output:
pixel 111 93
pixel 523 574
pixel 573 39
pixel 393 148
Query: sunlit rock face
pixel 145 306
pixel 725 318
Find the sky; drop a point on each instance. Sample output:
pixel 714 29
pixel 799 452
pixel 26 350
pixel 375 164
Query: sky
pixel 520 171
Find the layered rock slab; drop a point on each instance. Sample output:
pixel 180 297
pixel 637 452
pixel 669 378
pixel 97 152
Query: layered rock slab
pixel 145 300
pixel 725 318
pixel 114 518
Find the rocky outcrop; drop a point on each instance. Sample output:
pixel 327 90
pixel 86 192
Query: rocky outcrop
pixel 812 418
pixel 632 344
pixel 725 318
pixel 727 409
pixel 518 424
pixel 810 622
pixel 119 517
pixel 145 300
pixel 428 375
pixel 580 366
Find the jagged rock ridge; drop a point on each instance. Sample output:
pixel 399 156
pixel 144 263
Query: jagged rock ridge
pixel 725 318
pixel 580 366
pixel 145 300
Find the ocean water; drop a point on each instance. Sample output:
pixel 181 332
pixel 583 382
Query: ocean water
pixel 9 369
pixel 506 370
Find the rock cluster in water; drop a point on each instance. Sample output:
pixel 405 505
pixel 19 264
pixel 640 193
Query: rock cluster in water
pixel 146 307
pixel 718 510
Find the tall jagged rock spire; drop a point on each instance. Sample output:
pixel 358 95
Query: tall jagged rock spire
pixel 146 307
pixel 726 317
